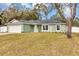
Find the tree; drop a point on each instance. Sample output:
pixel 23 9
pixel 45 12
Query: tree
pixel 12 12
pixel 29 15
pixel 41 8
pixel 72 8
pixel 1 18
pixel 9 14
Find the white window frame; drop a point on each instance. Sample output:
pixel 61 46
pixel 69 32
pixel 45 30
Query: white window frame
pixel 45 28
pixel 59 27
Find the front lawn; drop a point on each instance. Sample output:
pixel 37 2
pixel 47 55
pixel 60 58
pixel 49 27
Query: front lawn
pixel 37 44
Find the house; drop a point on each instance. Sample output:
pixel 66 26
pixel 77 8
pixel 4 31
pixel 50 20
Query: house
pixel 18 26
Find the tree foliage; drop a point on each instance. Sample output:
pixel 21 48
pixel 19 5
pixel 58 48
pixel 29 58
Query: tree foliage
pixel 13 13
pixel 43 10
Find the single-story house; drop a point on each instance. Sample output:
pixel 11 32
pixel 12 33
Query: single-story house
pixel 18 26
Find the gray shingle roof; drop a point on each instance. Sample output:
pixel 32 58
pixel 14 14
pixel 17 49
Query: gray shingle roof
pixel 36 22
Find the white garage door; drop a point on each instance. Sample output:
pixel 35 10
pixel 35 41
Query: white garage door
pixel 14 29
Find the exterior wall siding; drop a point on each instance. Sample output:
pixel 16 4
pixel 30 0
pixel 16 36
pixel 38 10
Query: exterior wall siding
pixel 39 28
pixel 63 28
pixel 28 28
pixel 36 28
pixel 14 28
pixel 53 28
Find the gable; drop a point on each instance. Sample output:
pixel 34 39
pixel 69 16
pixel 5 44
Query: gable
pixel 14 21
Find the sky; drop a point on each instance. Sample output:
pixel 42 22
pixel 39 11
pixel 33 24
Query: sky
pixel 30 5
pixel 3 6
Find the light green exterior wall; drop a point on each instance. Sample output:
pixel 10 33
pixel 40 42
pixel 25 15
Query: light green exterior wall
pixel 51 28
pixel 28 28
pixel 62 28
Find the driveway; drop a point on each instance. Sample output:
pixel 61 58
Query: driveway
pixel 4 33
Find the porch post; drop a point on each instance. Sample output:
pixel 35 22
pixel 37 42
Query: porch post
pixel 35 28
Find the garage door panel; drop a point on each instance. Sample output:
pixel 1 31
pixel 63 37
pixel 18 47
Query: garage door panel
pixel 14 29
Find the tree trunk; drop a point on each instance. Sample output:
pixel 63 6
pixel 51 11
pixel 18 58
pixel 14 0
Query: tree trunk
pixel 0 22
pixel 69 29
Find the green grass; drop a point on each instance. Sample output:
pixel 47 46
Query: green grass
pixel 37 44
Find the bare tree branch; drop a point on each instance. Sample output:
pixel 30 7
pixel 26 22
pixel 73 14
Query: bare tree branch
pixel 74 11
pixel 62 16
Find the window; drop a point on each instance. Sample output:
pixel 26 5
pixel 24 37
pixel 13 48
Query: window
pixel 45 27
pixel 58 27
